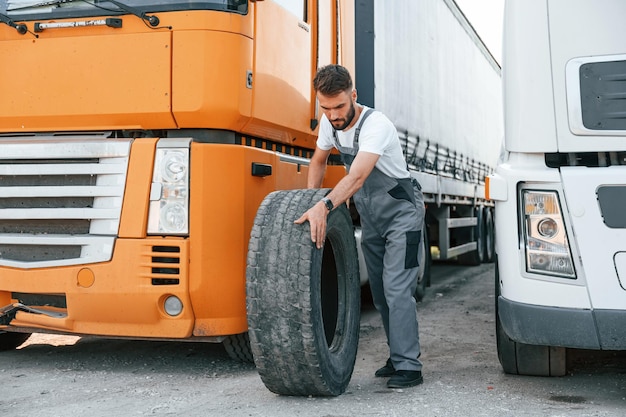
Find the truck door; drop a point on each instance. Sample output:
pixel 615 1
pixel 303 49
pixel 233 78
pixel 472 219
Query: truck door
pixel 282 64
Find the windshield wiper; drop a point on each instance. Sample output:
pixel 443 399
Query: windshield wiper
pixel 151 19
pixel 20 27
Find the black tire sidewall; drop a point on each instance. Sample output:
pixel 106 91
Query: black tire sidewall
pixel 423 278
pixel 11 340
pixel 346 340
pixel 505 346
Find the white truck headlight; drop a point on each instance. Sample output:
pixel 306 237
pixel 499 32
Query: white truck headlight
pixel 174 164
pixel 169 195
pixel 545 237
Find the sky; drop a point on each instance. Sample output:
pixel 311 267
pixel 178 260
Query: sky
pixel 486 18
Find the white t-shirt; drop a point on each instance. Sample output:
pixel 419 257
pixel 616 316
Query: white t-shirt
pixel 378 135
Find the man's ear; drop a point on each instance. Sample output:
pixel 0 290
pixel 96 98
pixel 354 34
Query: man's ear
pixel 354 95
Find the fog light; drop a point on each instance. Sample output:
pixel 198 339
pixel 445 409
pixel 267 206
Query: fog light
pixel 173 306
pixel 174 217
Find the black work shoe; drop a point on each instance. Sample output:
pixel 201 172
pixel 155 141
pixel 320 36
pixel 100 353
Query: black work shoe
pixel 405 379
pixel 386 371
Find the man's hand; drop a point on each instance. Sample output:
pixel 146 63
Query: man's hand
pixel 316 217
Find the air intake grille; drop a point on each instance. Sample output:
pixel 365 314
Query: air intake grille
pixel 60 199
pixel 165 265
pixel 603 95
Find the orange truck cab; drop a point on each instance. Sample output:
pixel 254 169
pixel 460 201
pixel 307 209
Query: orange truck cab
pixel 137 140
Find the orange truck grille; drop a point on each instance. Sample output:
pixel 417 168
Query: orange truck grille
pixel 60 198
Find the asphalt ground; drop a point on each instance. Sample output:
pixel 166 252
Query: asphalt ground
pixel 69 376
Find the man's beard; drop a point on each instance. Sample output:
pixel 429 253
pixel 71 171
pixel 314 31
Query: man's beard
pixel 348 119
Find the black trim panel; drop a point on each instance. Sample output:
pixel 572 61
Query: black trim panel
pixel 612 200
pixel 603 95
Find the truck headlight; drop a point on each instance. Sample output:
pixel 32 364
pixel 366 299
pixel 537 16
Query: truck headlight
pixel 545 237
pixel 169 195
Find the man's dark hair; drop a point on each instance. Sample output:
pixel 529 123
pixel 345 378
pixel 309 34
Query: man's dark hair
pixel 331 80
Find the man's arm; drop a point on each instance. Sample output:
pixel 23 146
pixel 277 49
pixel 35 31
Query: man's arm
pixel 360 169
pixel 317 168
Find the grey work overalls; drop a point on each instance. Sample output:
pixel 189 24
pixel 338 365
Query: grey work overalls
pixel 392 214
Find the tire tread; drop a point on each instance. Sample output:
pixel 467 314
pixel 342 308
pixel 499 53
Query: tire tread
pixel 287 350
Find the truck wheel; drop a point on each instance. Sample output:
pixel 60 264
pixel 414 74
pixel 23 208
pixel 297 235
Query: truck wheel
pixel 523 359
pixel 490 235
pixel 238 347
pixel 424 258
pixel 11 340
pixel 303 303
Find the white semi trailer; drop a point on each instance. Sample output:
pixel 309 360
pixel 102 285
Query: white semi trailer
pixel 560 189
pixel 424 66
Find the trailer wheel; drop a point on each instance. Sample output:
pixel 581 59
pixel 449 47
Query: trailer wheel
pixel 424 259
pixel 303 303
pixel 523 359
pixel 11 340
pixel 490 236
pixel 238 347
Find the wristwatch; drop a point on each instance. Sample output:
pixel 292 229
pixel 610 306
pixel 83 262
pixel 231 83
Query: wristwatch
pixel 329 204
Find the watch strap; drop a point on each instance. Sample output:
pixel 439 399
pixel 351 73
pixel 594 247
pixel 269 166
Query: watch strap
pixel 328 203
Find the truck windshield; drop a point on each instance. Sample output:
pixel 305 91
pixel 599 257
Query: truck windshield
pixel 42 9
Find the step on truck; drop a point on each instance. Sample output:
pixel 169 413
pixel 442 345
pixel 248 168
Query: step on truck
pixel 560 187
pixel 154 154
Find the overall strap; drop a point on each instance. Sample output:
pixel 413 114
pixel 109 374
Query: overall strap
pixel 355 142
pixel 357 131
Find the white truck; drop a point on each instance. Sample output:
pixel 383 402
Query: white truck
pixel 560 186
pixel 425 67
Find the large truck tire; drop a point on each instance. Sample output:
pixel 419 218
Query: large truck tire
pixel 523 359
pixel 490 235
pixel 11 340
pixel 238 347
pixel 425 260
pixel 303 303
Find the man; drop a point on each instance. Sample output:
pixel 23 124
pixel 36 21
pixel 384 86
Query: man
pixel 390 208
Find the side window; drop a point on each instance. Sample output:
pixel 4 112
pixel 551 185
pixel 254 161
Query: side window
pixel 296 7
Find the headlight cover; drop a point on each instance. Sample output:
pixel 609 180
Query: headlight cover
pixel 545 238
pixel 169 195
